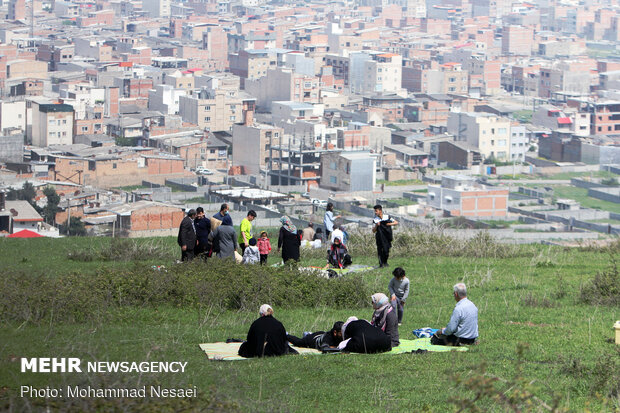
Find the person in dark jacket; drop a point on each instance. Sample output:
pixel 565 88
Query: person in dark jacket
pixel 187 236
pixel 203 228
pixel 223 212
pixel 288 240
pixel 383 234
pixel 266 337
pixel 385 318
pixel 319 340
pixel 359 336
pixel 226 238
pixel 338 255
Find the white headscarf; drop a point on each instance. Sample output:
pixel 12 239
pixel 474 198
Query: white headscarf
pixel 264 310
pixel 346 323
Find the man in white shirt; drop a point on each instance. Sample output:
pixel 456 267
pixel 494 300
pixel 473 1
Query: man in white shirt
pixel 463 325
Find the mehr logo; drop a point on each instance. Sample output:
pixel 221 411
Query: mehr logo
pixel 51 365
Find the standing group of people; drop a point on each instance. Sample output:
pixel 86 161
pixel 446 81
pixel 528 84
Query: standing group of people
pixel 203 237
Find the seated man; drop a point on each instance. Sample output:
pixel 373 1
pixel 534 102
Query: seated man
pixel 359 336
pixel 463 325
pixel 338 255
pixel 319 340
pixel 266 337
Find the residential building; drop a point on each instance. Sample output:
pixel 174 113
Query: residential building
pixel 487 132
pixel 251 145
pixel 283 84
pixel 348 171
pixel 12 115
pixel 17 10
pixel 517 40
pixel 147 219
pixel 24 216
pixel 165 99
pixel 408 156
pixel 157 8
pixel 463 196
pixel 457 155
pixel 52 124
pixel 216 110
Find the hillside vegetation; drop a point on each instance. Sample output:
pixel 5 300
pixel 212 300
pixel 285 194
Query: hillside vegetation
pixel 546 318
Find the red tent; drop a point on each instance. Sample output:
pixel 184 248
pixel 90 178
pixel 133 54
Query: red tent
pixel 25 233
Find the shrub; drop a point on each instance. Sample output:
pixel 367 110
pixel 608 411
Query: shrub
pixel 219 284
pixel 427 241
pixel 604 288
pixel 124 249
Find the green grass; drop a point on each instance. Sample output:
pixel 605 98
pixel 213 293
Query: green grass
pixel 529 298
pixel 400 182
pixel 581 195
pixel 570 175
pixel 130 188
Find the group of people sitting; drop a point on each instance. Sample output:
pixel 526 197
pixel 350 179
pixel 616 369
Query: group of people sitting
pixel 268 337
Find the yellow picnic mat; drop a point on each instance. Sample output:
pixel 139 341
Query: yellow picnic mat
pixel 228 351
pixel 407 346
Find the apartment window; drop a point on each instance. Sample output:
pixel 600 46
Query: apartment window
pixel 501 142
pixel 52 121
pixel 207 107
pixel 452 80
pixel 451 89
pixel 114 166
pixel 276 134
pixel 492 131
pixel 501 131
pixel 52 134
pixel 207 118
pixel 501 154
pixel 212 151
pixel 333 179
pixel 232 118
pixel 64 134
pixel 64 121
pixel 492 142
pixel 84 128
pixel 333 166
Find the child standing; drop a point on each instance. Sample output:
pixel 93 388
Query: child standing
pixel 399 291
pixel 251 254
pixel 264 247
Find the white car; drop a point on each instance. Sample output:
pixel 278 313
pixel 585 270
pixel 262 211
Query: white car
pixel 318 202
pixel 203 171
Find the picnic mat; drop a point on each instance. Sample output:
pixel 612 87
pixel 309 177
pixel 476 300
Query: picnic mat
pixel 407 346
pixel 355 268
pixel 228 351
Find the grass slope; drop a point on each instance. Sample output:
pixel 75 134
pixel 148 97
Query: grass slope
pixel 531 298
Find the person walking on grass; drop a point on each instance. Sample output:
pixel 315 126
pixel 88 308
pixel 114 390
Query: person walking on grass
pixel 187 236
pixel 245 231
pixel 463 325
pixel 399 291
pixel 288 240
pixel 383 234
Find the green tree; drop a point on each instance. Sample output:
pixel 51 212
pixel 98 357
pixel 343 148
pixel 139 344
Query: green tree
pixel 49 211
pixel 26 193
pixel 76 228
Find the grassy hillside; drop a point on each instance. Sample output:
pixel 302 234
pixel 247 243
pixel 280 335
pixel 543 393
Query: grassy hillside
pixel 545 330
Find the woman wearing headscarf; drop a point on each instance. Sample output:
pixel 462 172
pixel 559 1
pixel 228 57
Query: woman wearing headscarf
pixel 385 318
pixel 359 336
pixel 266 337
pixel 226 238
pixel 288 240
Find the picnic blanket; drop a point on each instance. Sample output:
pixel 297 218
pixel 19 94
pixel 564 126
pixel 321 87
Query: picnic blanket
pixel 325 272
pixel 228 351
pixel 407 346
